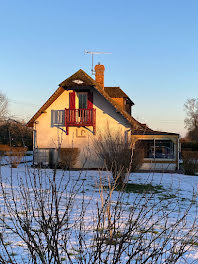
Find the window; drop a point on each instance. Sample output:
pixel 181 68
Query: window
pixel 159 149
pixel 148 146
pixel 82 97
pixel 57 118
pixel 164 149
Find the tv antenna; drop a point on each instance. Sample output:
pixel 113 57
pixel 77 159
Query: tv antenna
pixel 92 54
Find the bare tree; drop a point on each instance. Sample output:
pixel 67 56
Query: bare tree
pixel 117 155
pixel 193 134
pixel 191 120
pixel 15 133
pixel 3 106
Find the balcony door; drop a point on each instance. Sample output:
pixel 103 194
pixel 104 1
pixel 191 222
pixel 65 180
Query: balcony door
pixel 80 111
pixel 82 105
pixel 82 100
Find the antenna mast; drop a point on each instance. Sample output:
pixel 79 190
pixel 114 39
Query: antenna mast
pixel 92 55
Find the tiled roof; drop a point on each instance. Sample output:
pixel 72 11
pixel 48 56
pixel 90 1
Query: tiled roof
pixel 116 92
pixel 151 132
pixel 81 80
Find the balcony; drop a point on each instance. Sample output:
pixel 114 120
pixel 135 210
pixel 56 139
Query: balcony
pixel 80 118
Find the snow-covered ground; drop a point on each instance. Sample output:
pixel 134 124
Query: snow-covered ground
pixel 176 188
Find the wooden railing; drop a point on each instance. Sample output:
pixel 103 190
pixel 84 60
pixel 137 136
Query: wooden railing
pixel 80 117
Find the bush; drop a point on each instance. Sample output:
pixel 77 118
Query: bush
pixel 138 157
pixel 189 145
pixel 68 157
pixel 190 162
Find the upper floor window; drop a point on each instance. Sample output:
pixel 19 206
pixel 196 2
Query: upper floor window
pixel 57 117
pixel 82 99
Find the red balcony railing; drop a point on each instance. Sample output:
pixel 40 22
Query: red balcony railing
pixel 80 117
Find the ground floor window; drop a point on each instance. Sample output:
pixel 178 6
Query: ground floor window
pixel 159 149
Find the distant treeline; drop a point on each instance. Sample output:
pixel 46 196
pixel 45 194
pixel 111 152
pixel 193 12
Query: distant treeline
pixel 15 134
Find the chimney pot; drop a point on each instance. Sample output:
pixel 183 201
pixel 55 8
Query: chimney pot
pixel 99 74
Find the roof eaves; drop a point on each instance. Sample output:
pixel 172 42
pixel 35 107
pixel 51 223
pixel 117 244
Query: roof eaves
pixel 151 132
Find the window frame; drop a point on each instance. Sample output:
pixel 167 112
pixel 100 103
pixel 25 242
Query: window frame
pixel 57 118
pixel 78 103
pixel 154 147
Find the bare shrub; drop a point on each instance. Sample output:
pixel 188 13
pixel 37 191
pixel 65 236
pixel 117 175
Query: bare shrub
pixel 143 231
pixel 47 218
pixel 190 162
pixel 137 157
pixel 68 157
pixel 117 155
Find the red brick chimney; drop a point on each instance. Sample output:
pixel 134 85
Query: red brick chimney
pixel 99 74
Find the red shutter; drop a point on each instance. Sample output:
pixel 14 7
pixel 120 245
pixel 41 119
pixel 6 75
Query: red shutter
pixel 72 100
pixel 90 100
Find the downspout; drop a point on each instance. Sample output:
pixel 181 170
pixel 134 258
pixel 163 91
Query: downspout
pixel 34 140
pixel 178 151
pixel 33 135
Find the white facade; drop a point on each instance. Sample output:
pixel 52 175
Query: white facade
pixel 49 137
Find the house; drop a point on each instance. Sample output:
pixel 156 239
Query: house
pixel 80 110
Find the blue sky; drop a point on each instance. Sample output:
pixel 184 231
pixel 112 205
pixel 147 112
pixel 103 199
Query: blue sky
pixel 154 46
